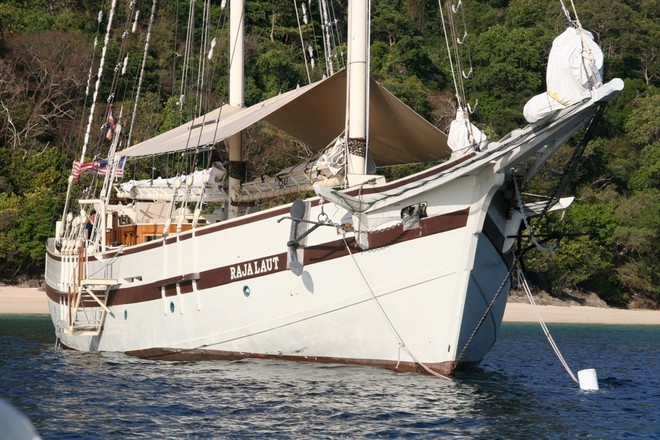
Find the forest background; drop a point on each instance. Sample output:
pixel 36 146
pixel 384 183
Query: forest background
pixel 608 238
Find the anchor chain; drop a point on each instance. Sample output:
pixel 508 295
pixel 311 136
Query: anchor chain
pixel 483 317
pixel 521 206
pixel 573 162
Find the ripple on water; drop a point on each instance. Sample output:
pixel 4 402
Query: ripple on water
pixel 520 392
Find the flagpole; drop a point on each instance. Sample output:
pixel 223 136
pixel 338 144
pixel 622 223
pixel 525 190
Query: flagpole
pixel 91 112
pixel 66 207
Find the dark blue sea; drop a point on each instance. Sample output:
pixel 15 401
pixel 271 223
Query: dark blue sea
pixel 520 392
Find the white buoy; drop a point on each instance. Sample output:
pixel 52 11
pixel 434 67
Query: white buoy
pixel 588 379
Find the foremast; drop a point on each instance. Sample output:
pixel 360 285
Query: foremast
pixel 237 165
pixel 358 86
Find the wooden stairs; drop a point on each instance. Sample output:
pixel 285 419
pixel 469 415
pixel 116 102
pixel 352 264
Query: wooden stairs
pixel 88 307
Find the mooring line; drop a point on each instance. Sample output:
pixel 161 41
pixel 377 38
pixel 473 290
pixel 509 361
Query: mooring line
pixel 402 345
pixel 528 292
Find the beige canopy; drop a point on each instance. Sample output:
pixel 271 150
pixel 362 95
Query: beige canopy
pixel 314 114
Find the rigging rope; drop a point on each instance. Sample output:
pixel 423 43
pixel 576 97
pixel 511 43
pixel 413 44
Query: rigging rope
pixel 573 162
pixel 302 42
pixel 485 315
pixel 575 21
pixel 331 38
pixel 98 79
pixel 451 61
pixel 521 281
pixel 457 70
pixel 203 48
pixel 144 62
pixel 186 54
pixel 97 86
pixel 91 64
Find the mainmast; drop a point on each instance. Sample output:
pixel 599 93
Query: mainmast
pixel 358 89
pixel 237 165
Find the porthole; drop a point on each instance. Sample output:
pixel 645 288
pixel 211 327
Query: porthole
pixel 172 306
pixel 246 291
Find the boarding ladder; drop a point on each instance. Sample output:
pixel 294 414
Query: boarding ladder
pixel 88 306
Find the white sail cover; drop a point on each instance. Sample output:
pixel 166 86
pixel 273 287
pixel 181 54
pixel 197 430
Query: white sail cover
pixel 314 114
pixel 464 135
pixel 575 67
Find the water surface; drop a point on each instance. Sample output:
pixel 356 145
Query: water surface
pixel 521 391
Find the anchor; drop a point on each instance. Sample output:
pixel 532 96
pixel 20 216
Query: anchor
pixel 297 217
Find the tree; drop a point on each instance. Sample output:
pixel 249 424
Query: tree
pixel 28 211
pixel 40 87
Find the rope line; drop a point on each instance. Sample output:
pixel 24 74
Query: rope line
pixel 523 280
pixel 402 345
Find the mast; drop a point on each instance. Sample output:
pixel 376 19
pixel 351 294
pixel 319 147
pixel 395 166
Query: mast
pixel 237 165
pixel 358 90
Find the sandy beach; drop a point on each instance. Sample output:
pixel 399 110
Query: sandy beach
pixel 25 300
pixel 22 301
pixel 521 312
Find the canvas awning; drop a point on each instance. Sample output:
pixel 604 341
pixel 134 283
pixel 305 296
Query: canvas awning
pixel 314 114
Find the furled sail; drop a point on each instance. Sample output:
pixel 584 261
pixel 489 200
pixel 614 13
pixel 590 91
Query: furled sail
pixel 574 69
pixel 464 135
pixel 314 114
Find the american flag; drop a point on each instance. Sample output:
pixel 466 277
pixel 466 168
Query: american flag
pixel 99 167
pixel 103 167
pixel 110 125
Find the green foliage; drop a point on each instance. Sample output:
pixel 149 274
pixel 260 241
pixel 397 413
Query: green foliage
pixel 412 92
pixel 25 17
pixel 25 223
pixel 399 171
pixel 70 20
pixel 391 21
pixel 508 43
pixel 528 13
pixel 277 72
pixel 642 125
pixel 27 211
pixel 509 72
pixel 647 175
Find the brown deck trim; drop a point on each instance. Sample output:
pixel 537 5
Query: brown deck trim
pixel 409 179
pixel 379 239
pixel 245 270
pixel 215 227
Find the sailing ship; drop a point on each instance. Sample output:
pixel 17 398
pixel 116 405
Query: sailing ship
pixel 410 274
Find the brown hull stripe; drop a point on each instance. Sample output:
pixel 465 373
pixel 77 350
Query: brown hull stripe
pixel 168 354
pixel 276 263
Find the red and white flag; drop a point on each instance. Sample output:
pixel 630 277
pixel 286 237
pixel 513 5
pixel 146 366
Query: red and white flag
pixel 99 167
pixel 110 126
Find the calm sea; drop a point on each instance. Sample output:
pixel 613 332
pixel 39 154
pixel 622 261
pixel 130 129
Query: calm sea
pixel 520 392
